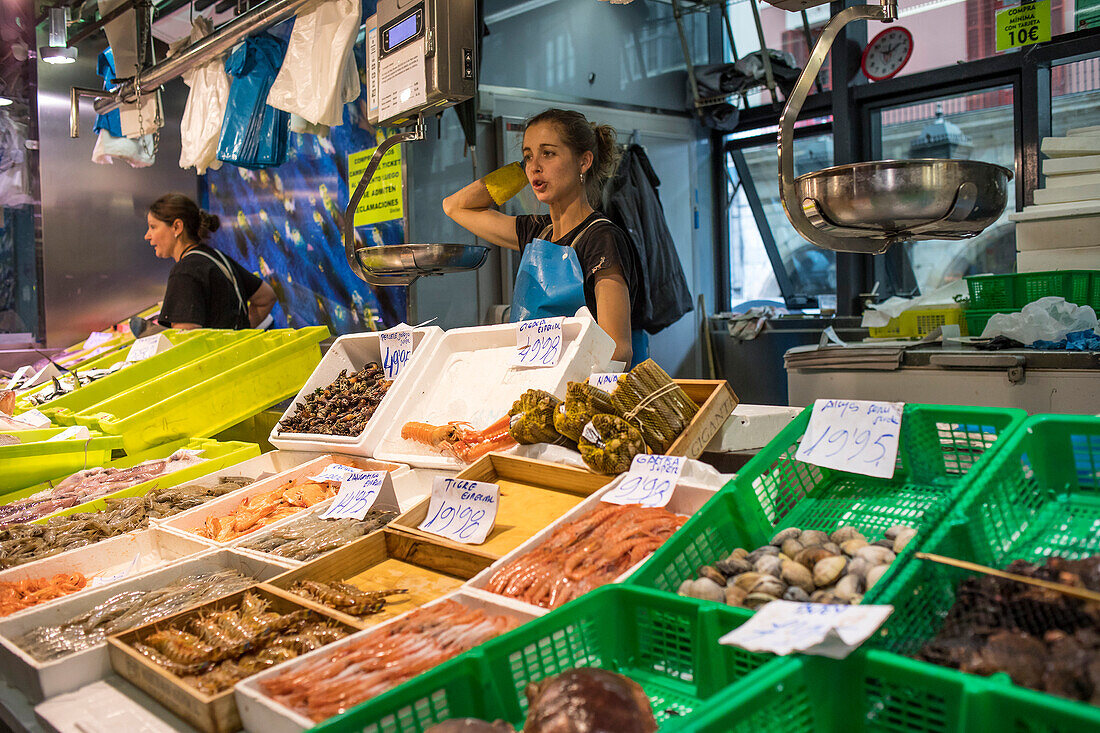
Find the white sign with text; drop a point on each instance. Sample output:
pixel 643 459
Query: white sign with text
pixel 97 338
pixel 464 511
pixel 359 492
pixel 538 342
pixel 334 472
pixel 76 432
pixel 147 346
pixel 859 436
pixel 784 627
pixel 395 347
pixel 649 482
pixel 606 382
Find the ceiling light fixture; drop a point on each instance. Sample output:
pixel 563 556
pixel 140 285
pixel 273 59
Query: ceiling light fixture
pixel 6 101
pixel 58 50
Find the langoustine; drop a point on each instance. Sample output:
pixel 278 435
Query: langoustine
pixel 20 594
pixel 268 507
pixel 585 554
pixel 345 597
pixel 311 536
pixel 382 659
pixel 459 439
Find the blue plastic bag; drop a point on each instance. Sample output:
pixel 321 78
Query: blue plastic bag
pixel 254 134
pixel 112 121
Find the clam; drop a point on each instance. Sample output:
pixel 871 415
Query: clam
pixel 790 533
pixel 791 547
pixel 812 537
pixel 796 574
pixel 761 552
pixel 874 574
pixel 744 581
pixel 825 595
pixel 796 594
pixel 709 571
pixel 740 553
pixel 832 547
pixel 876 555
pixel 733 565
pixel 851 547
pixel 897 529
pixel 843 534
pixel 827 571
pixel 756 600
pixel 707 590
pixel 771 586
pixel 888 544
pixel 849 587
pixel 769 565
pixel 685 588
pixel 859 567
pixel 735 596
pixel 903 539
pixel 811 556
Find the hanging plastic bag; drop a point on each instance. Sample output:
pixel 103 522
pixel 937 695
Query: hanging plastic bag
pixel 314 85
pixel 14 188
pixel 110 149
pixel 201 125
pixel 254 134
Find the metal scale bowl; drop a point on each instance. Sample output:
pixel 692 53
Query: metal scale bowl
pixel 866 207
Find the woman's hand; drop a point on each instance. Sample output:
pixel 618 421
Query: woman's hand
pixel 470 208
pixel 613 312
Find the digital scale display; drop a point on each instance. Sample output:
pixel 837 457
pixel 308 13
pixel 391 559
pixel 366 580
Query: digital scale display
pixel 402 30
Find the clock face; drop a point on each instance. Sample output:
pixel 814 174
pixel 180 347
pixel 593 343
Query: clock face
pixel 887 53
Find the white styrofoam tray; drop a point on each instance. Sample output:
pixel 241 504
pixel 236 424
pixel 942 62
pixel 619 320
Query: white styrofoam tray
pixel 1077 258
pixel 188 522
pixel 694 489
pixel 41 680
pixel 118 706
pixel 261 714
pixel 752 426
pixel 469 377
pixel 126 556
pixel 352 352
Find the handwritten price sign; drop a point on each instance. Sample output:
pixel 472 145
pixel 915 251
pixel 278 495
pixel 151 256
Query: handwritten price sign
pixel 464 511
pixel 606 382
pixel 859 436
pixel 538 342
pixel 783 627
pixel 395 348
pixel 334 472
pixel 359 492
pixel 147 346
pixel 650 481
pixel 97 338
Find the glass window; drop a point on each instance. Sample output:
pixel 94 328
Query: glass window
pixel 757 220
pixel 1075 95
pixel 974 126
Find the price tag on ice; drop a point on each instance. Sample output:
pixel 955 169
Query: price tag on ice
pixel 649 482
pixel 334 472
pixel 464 511
pixel 359 492
pixel 860 436
pixel 19 375
pixel 126 572
pixel 538 342
pixel 606 382
pixel 783 627
pixel 97 338
pixel 147 346
pixel 76 432
pixel 35 418
pixel 395 348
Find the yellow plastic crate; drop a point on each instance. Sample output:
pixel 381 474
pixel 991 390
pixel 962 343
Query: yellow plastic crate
pixel 919 322
pixel 36 458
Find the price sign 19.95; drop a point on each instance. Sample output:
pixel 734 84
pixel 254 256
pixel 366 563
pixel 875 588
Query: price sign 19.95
pixel 538 342
pixel 859 436
pixel 464 511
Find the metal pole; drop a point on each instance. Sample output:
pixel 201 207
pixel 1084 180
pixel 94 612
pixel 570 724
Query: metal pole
pixel 764 57
pixel 203 51
pixel 74 106
pixel 809 45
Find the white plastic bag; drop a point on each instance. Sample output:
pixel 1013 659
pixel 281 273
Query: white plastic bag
pixel 1046 319
pixel 109 149
pixel 201 125
pixel 14 189
pixel 312 85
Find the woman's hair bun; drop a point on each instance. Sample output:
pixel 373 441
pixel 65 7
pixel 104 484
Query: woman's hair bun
pixel 210 222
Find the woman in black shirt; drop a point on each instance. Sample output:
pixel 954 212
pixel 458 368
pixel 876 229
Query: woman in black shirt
pixel 566 160
pixel 206 288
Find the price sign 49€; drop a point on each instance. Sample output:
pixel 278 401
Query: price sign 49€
pixel 360 491
pixel 395 348
pixel 464 511
pixel 859 436
pixel 538 342
pixel 649 482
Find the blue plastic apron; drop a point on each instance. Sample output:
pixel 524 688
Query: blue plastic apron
pixel 550 283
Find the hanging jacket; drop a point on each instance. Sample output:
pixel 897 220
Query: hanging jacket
pixel 631 201
pixel 254 134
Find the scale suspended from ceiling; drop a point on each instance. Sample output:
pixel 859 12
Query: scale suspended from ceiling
pixel 421 59
pixel 867 207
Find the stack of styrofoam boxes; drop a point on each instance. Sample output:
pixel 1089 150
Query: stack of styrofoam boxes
pixel 1062 230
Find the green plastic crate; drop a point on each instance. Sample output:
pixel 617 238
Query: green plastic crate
pixel 1038 497
pixel 668 645
pixel 879 691
pixel 186 345
pixel 218 455
pixel 1005 293
pixel 976 319
pixel 213 393
pixel 938 446
pixel 36 459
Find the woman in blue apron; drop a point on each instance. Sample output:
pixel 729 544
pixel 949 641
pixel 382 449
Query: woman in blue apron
pixel 206 288
pixel 574 256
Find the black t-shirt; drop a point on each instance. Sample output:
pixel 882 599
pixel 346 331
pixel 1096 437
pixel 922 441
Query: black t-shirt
pixel 603 248
pixel 199 292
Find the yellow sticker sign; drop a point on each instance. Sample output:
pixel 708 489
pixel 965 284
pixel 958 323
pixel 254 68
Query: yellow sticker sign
pixel 384 197
pixel 1023 25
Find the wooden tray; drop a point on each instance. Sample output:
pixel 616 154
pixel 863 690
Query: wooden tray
pixel 209 713
pixel 716 402
pixel 533 494
pixel 385 560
